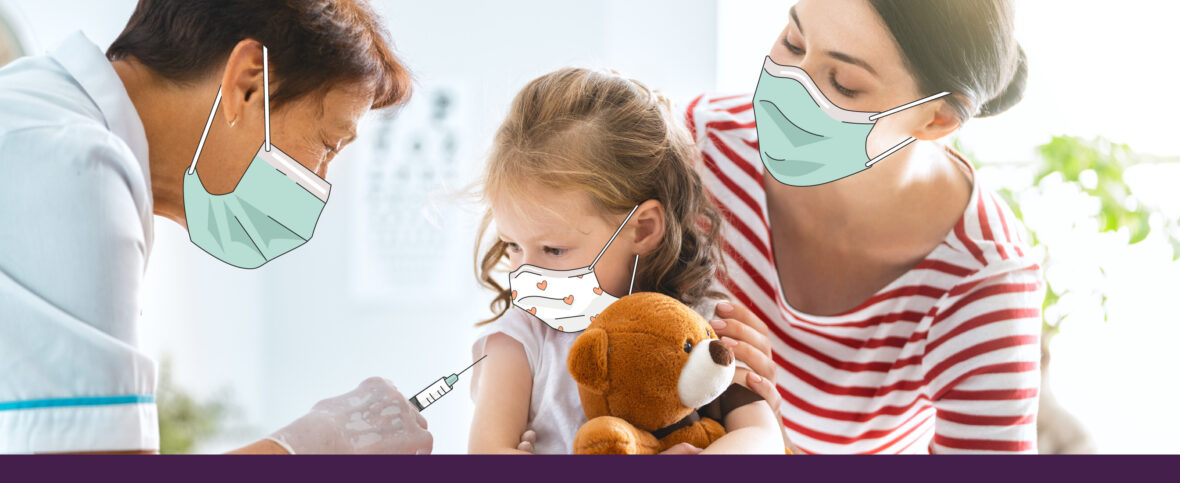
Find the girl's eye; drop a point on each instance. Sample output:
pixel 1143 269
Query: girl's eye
pixel 843 90
pixel 791 47
pixel 554 251
pixel 512 247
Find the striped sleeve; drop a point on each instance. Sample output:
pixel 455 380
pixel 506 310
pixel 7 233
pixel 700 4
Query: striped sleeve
pixel 983 364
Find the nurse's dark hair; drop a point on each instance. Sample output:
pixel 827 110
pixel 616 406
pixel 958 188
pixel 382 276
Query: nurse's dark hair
pixel 313 45
pixel 966 47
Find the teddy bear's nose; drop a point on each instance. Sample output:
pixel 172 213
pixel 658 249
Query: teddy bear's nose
pixel 720 353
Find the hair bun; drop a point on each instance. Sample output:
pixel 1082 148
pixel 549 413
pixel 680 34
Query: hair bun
pixel 1013 92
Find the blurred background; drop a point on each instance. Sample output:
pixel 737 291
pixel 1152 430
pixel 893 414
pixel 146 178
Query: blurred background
pixel 1089 160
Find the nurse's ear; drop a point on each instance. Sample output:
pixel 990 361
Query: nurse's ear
pixel 242 84
pixel 941 121
pixel 649 225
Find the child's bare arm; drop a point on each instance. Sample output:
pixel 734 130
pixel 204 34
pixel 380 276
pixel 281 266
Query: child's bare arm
pixel 502 398
pixel 750 429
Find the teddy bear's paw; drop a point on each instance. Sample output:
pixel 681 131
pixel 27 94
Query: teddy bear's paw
pixel 713 429
pixel 611 435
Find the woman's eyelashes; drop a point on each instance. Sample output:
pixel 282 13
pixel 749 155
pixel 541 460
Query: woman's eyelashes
pixel 843 90
pixel 792 47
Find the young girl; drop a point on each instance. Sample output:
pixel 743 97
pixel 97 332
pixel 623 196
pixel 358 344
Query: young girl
pixel 589 169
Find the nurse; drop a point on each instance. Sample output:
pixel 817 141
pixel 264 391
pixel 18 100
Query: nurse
pixel 93 145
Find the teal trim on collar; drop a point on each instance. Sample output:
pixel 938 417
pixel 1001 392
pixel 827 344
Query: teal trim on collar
pixel 77 401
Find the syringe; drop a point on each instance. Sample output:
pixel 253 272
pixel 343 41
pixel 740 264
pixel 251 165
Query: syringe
pixel 440 388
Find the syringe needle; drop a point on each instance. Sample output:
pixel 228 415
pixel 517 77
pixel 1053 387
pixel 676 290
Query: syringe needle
pixel 472 365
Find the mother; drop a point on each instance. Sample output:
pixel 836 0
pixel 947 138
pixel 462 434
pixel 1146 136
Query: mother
pixel 901 308
pixel 91 146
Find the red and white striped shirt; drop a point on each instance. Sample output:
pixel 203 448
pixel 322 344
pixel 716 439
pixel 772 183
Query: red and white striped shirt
pixel 944 359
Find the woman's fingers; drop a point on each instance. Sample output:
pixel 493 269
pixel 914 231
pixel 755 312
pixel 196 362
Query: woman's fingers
pixel 682 448
pixel 729 310
pixel 738 330
pixel 527 441
pixel 765 388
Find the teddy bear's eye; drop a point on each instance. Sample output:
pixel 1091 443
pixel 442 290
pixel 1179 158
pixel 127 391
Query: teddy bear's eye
pixel 687 346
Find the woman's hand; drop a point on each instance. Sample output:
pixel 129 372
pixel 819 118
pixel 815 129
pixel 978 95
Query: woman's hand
pixel 749 338
pixel 682 448
pixel 527 441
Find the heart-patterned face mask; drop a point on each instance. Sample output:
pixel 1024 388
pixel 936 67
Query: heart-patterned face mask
pixel 566 300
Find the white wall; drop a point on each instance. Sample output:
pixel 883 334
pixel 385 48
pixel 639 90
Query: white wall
pixel 315 322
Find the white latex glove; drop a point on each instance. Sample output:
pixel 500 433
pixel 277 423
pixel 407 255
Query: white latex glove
pixel 373 418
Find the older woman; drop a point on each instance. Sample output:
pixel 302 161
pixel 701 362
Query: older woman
pixel 890 304
pixel 93 145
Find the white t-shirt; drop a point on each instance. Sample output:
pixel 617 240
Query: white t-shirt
pixel 555 408
pixel 75 235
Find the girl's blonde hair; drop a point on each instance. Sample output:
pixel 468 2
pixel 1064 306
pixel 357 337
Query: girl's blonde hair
pixel 612 138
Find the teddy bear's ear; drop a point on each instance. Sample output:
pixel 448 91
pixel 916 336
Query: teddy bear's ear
pixel 587 360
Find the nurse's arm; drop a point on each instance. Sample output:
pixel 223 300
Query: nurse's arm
pixel 262 446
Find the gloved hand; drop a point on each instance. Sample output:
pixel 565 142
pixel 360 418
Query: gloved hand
pixel 373 418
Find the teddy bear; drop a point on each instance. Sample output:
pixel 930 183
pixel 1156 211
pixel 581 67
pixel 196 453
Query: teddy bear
pixel 643 367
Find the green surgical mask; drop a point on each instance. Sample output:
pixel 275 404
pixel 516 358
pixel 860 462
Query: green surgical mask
pixel 805 139
pixel 273 209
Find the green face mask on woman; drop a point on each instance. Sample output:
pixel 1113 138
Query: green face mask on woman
pixel 273 209
pixel 806 140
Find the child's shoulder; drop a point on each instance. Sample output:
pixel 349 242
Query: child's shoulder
pixel 514 323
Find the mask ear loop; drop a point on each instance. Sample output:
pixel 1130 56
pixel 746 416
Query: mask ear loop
pixel 266 96
pixel 612 239
pixel 217 102
pixel 895 110
pixel 204 134
pixel 634 267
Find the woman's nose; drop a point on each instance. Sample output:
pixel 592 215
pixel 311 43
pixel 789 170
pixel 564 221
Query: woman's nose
pixel 809 64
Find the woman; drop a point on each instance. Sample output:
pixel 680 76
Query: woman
pixel 91 146
pixel 901 308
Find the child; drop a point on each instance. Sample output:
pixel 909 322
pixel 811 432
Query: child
pixel 588 169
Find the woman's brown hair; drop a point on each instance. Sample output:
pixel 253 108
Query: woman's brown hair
pixel 313 44
pixel 965 47
pixel 619 143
